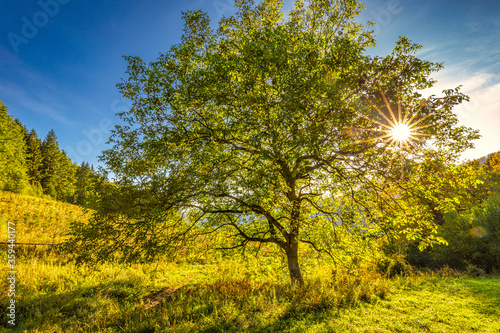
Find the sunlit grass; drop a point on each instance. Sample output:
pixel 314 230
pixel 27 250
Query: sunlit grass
pixel 37 220
pixel 243 294
pixel 229 294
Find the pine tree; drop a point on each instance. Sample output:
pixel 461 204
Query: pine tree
pixel 12 153
pixel 65 178
pixel 34 158
pixel 51 160
pixel 83 184
pixel 28 164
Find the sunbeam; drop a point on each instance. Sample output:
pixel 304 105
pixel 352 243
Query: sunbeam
pixel 398 131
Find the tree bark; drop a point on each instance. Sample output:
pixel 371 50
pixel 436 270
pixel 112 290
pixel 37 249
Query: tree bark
pixel 292 254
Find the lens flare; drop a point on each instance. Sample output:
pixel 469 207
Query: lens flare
pixel 398 130
pixel 478 232
pixel 401 132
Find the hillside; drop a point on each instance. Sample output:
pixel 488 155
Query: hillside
pixel 39 220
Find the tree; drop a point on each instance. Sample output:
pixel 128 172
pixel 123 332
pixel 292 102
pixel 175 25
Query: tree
pixel 493 162
pixel 270 127
pixel 34 158
pixel 58 175
pixel 65 181
pixel 84 179
pixel 12 153
pixel 51 157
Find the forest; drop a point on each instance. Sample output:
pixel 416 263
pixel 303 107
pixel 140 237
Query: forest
pixel 33 166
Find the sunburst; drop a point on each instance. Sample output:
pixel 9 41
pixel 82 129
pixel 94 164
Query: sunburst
pixel 401 130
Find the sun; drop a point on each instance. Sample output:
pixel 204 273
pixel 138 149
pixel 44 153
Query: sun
pixel 401 132
pixel 398 131
pixel 401 129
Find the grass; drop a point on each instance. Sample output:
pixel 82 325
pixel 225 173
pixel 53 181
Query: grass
pixel 246 295
pixel 226 293
pixel 430 304
pixel 37 219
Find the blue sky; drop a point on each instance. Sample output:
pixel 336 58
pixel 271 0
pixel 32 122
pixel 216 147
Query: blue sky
pixel 60 60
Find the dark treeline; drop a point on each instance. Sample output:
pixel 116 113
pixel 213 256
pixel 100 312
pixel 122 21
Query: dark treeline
pixel 36 166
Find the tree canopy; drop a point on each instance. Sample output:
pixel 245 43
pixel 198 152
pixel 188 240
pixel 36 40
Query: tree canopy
pixel 277 128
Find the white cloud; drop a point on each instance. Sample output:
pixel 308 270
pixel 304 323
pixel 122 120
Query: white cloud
pixel 482 112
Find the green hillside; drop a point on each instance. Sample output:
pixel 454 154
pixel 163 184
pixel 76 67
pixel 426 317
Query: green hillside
pixel 37 220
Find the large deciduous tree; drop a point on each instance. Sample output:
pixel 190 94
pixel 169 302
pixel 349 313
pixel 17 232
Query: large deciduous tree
pixel 272 126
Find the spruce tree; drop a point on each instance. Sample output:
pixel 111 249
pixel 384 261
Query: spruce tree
pixel 12 153
pixel 51 160
pixel 65 178
pixel 34 158
pixel 83 184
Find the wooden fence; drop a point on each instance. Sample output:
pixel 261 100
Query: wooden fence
pixel 29 244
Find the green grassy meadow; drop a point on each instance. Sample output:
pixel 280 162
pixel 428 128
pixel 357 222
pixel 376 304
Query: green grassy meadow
pixel 224 292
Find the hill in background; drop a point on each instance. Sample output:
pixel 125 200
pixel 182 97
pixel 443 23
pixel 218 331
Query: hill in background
pixel 37 220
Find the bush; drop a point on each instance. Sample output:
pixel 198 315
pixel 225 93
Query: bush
pixel 392 266
pixel 473 237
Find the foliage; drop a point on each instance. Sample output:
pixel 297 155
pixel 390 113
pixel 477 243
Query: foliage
pixel 32 166
pixel 488 177
pixel 34 157
pixel 12 154
pixel 471 230
pixel 437 190
pixel 85 179
pixel 265 129
pixel 158 234
pixel 58 171
pixel 492 164
pixel 473 238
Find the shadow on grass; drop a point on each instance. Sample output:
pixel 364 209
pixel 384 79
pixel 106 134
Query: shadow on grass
pixel 82 309
pixel 221 306
pixel 243 306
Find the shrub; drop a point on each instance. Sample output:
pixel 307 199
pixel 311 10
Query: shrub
pixel 392 266
pixel 473 237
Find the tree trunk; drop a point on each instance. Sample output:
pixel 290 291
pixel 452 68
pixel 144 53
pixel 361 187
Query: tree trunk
pixel 292 254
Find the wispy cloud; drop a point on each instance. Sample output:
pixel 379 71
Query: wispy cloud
pixel 7 58
pixel 30 89
pixel 426 51
pixel 34 103
pixel 482 112
pixel 459 76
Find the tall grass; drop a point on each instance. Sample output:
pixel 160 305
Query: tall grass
pixel 37 220
pixel 232 294
pixel 245 294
